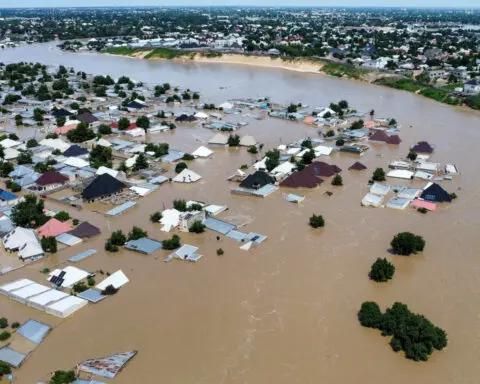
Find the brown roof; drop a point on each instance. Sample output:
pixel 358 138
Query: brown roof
pixel 357 166
pixel 394 139
pixel 301 179
pixel 379 136
pixel 319 168
pixel 51 177
pixel 422 147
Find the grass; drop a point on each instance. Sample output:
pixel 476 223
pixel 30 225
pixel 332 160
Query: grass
pixel 166 53
pixel 403 84
pixel 124 51
pixel 343 70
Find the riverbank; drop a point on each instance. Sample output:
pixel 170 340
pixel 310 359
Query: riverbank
pixel 304 65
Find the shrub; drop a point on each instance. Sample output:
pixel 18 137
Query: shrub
pixel 412 156
pixel 3 322
pixel 244 166
pixel 170 244
pixel 188 157
pixel 109 290
pixel 252 149
pixel 337 180
pixel 75 221
pixel 45 270
pixel 62 216
pixel 197 227
pixel 330 133
pixel 378 175
pixel 15 187
pixel 370 315
pixel 340 143
pixel 118 238
pixel 233 141
pixel 422 210
pixel 180 167
pixel 406 243
pixel 220 252
pixel 307 143
pixel 4 369
pixel 15 325
pixel 453 195
pixel 49 244
pixel 136 233
pixel 382 270
pixel 180 205
pixel 317 221
pixel 104 129
pixel 156 217
pixel 63 377
pixel 111 247
pixel 5 335
pixel 79 287
pixel 91 281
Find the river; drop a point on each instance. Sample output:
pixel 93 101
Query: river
pixel 285 312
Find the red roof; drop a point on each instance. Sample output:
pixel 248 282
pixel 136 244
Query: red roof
pixel 53 227
pixel 51 177
pixel 131 126
pixel 113 125
pixel 319 168
pixel 379 136
pixel 394 139
pixel 357 166
pixel 301 179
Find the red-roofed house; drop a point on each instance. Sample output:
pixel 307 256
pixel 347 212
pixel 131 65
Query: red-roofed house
pixel 113 125
pixel 50 180
pixel 53 227
pixel 131 126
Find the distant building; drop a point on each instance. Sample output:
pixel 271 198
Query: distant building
pixel 472 87
pixel 188 218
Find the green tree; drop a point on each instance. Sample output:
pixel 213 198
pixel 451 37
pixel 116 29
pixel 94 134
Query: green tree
pixel 340 143
pixel 170 244
pixel 337 180
pixel 63 377
pixel 104 129
pixel 32 143
pixel 220 252
pixel 140 163
pixel 233 141
pixel 308 157
pixel 180 167
pixel 5 168
pixel 406 243
pixel 24 158
pixel 155 217
pixel 109 290
pixel 3 322
pixel 90 281
pixel 273 159
pixel 5 335
pixel 143 122
pixel 81 133
pixel 252 149
pixel 412 155
pixel 180 205
pixel 382 270
pixel 4 369
pixel 378 175
pixel 118 238
pixel 99 156
pixel 29 213
pixel 137 233
pixel 80 287
pixel 370 315
pixel 123 123
pixel 197 227
pixel 307 143
pixel 15 187
pixel 317 221
pixel 49 244
pixel 62 216
pixel 188 157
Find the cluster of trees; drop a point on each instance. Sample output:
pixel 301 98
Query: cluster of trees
pixel 161 89
pixel 63 377
pixel 197 227
pixel 118 238
pixel 99 156
pixel 81 133
pixel 141 162
pixel 158 149
pixel 49 244
pixel 181 205
pixel 233 140
pixel 171 244
pixel 412 333
pixel 155 217
pixel 406 243
pixel 273 159
pixel 29 213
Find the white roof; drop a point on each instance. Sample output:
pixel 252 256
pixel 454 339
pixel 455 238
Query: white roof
pixel 379 189
pixel 30 290
pixel 372 200
pixel 400 174
pixel 30 249
pixel 293 151
pixel 170 219
pixel 260 164
pixel 15 285
pixel 18 237
pixel 76 162
pixel 110 171
pixel 65 307
pixel 423 175
pixel 427 166
pixel 226 105
pixel 201 115
pixel 187 176
pixel 104 143
pixel 140 190
pixel 136 148
pixel 282 147
pixel 248 141
pixel 283 168
pixel 130 162
pixel 136 132
pixel 214 210
pixel 400 164
pixel 202 152
pixel 72 275
pixel 56 144
pixel 451 169
pixel 323 150
pixel 219 139
pixel 9 143
pixel 46 297
pixel 117 279
pixel 11 153
pixel 72 122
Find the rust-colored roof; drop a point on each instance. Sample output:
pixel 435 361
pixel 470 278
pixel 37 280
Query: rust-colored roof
pixel 379 136
pixel 301 179
pixel 319 168
pixel 51 177
pixel 394 139
pixel 357 166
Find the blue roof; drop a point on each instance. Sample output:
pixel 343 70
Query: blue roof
pixel 5 195
pixel 28 179
pixel 159 179
pixel 121 208
pixel 66 238
pixel 34 331
pixel 219 225
pixel 144 245
pixel 75 150
pixel 186 250
pixel 172 156
pixel 91 295
pixel 236 235
pixel 21 170
pixel 82 255
pixel 256 237
pixel 6 225
pixel 11 357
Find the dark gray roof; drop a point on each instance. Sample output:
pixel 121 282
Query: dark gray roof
pixel 102 185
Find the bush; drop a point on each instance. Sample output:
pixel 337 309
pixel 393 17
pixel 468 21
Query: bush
pixel 15 325
pixel 5 335
pixel 118 238
pixel 453 195
pixel 155 217
pixel 410 332
pixel 220 252
pixel 3 322
pixel 109 247
pixel 340 143
pixel 317 221
pixel 330 133
pixel 337 180
pixel 180 205
pixel 252 149
pixel 109 290
pixel 422 210
pixel 244 166
pixel 91 281
pixel 75 221
pixel 412 156
pixel 406 243
pixel 378 175
pixel 382 270
pixel 170 244
pixel 233 141
pixel 15 187
pixel 49 244
pixel 62 216
pixel 63 377
pixel 45 270
pixel 104 129
pixel 137 233
pixel 180 167
pixel 188 157
pixel 197 227
pixel 79 287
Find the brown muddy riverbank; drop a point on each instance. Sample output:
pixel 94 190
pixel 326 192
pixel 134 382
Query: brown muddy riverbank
pixel 284 312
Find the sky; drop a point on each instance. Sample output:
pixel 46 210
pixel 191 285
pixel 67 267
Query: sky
pixel 387 3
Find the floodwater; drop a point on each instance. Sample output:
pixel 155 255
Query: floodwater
pixel 285 312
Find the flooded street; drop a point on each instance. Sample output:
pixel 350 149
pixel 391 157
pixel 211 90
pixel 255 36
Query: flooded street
pixel 284 312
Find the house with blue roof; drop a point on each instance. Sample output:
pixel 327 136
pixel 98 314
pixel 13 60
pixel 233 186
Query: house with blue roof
pixel 7 198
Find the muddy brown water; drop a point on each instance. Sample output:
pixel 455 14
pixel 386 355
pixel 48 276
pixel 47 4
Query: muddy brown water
pixel 285 311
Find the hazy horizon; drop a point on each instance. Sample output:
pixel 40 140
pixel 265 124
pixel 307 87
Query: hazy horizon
pixel 267 3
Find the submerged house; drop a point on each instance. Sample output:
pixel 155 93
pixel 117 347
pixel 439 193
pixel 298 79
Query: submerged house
pixel 75 151
pixel 357 166
pixel 434 192
pixel 257 180
pixel 422 147
pixel 319 168
pixel 25 242
pixel 102 186
pixel 50 180
pixel 302 179
pixel 188 218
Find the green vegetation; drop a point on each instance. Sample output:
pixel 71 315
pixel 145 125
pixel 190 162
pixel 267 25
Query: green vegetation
pixel 81 133
pixel 412 333
pixel 423 211
pixel 15 187
pixel 403 84
pixel 143 122
pixel 80 287
pixel 406 243
pixel 123 123
pixel 307 143
pixel 62 216
pixel 29 213
pixel 3 323
pixel 90 281
pixel 15 325
pixel 453 195
pixel 4 369
pixel 32 143
pixel 24 158
pixel 140 163
pixel 45 270
pixel 180 167
pixel 5 335
pixel 109 290
pixel 337 180
pixel 123 51
pixel 330 133
pixel 171 244
pixel 63 377
pixel 378 175
pixel 252 149
pixel 49 244
pixel 242 167
pixel 220 252
pixel 308 157
pixel 166 53
pixel 412 156
pixel 340 143
pixel 104 129
pixel 136 233
pixel 159 150
pixel 382 270
pixel 100 156
pixel 197 227
pixel 342 70
pixel 188 157
pixel 317 221
pixel 233 141
pixel 116 239
pixel 5 168
pixel 155 217
pixel 273 159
